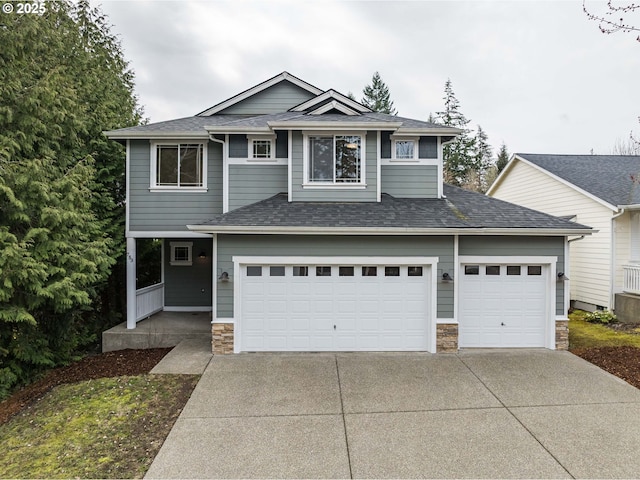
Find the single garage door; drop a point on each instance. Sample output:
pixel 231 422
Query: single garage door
pixel 503 305
pixel 312 307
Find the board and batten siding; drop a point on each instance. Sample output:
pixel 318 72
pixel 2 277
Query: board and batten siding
pixel 167 211
pixel 519 247
pixel 590 257
pixel 188 285
pixel 410 181
pixel 292 245
pixel 275 99
pixel 335 194
pixel 251 183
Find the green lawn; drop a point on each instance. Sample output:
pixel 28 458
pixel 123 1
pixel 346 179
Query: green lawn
pixel 583 334
pixel 106 428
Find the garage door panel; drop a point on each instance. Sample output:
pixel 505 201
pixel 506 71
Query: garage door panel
pixel 502 310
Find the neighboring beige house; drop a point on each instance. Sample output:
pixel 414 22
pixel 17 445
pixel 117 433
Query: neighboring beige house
pixel 601 191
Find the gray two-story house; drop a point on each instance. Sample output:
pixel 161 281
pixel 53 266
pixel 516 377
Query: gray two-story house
pixel 303 221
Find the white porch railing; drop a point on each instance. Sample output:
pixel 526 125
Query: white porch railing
pixel 149 300
pixel 631 279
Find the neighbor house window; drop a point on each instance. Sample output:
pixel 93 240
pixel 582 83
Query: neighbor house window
pixel 335 159
pixel 181 254
pixel 179 165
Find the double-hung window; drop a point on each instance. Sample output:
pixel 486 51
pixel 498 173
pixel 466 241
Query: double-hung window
pixel 178 165
pixel 335 159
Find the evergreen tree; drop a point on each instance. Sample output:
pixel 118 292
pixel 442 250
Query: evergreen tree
pixel 503 158
pixel 63 81
pixel 459 159
pixel 482 160
pixel 377 96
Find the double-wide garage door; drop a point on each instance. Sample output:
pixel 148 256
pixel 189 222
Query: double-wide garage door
pixel 503 305
pixel 335 307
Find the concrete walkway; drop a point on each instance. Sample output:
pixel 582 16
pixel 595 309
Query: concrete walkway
pixel 482 414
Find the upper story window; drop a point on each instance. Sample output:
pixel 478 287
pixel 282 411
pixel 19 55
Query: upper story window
pixel 335 159
pixel 261 147
pixel 178 166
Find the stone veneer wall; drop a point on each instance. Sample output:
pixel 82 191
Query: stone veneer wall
pixel 562 335
pixel 222 338
pixel 447 338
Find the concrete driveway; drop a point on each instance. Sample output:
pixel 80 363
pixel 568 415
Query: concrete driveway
pixel 478 414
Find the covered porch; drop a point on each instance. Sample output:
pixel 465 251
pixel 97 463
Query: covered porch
pixel 162 329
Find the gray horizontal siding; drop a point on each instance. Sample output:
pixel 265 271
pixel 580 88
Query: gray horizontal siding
pixel 410 181
pixel 280 245
pixel 278 98
pixel 238 146
pixel 369 194
pixel 251 183
pixel 158 211
pixel 188 286
pixel 520 246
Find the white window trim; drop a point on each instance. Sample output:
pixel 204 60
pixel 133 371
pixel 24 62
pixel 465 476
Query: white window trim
pixel 416 146
pixel 331 185
pixel 181 263
pixel 153 185
pixel 272 153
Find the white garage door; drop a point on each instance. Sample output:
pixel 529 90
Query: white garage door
pixel 503 305
pixel 311 307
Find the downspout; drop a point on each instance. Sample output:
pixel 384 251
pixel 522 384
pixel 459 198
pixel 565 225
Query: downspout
pixel 612 297
pixel 225 173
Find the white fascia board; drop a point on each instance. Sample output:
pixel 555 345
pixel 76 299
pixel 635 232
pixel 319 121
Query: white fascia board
pixel 561 180
pixel 334 105
pixel 386 231
pixel 259 88
pixel 327 95
pixel 297 125
pixel 442 131
pixel 166 234
pixel 633 206
pixel 150 135
pixel 232 130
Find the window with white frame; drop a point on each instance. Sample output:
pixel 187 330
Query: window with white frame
pixel 181 254
pixel 405 149
pixel 335 159
pixel 178 165
pixel 261 149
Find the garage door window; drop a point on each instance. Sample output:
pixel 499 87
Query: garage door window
pixel 276 271
pixel 492 270
pixel 300 271
pixel 369 271
pixel 414 271
pixel 254 271
pixel 391 271
pixel 534 270
pixel 513 270
pixel 346 271
pixel 472 269
pixel 323 271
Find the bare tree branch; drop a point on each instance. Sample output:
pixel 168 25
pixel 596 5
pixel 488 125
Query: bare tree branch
pixel 609 22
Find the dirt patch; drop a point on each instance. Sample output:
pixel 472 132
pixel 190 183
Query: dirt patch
pixel 631 328
pixel 111 364
pixel 623 362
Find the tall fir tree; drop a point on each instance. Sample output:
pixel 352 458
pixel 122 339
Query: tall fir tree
pixel 482 161
pixel 377 96
pixel 63 80
pixel 459 159
pixel 503 158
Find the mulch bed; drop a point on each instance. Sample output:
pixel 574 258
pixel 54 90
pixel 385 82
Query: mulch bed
pixel 623 362
pixel 110 364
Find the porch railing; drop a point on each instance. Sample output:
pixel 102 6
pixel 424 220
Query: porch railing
pixel 631 279
pixel 149 300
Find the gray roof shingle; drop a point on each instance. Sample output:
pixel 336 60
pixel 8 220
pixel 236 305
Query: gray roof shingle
pixel 460 209
pixel 608 177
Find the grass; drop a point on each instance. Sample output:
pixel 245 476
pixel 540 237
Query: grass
pixel 583 334
pixel 106 428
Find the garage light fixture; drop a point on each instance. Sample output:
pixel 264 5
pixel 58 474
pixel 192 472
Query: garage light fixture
pixel 562 276
pixel 446 278
pixel 224 277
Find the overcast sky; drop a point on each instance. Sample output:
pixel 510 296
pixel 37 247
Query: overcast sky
pixel 538 76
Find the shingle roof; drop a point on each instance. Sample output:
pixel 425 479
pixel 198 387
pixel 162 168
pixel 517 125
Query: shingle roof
pixel 460 209
pixel 608 177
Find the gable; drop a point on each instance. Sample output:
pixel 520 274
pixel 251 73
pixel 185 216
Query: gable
pixel 274 99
